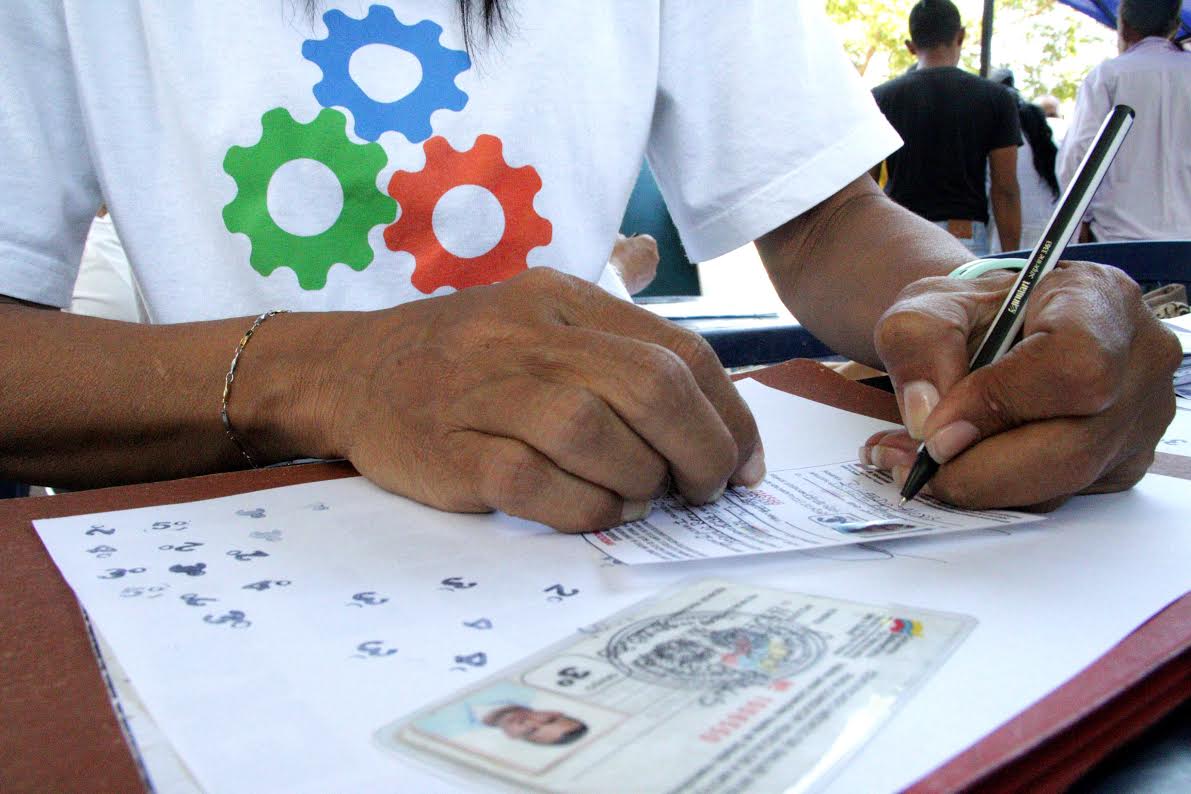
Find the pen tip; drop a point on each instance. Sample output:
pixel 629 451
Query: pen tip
pixel 902 503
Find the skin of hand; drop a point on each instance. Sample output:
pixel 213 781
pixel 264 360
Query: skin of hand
pixel 543 397
pixel 636 260
pixel 1076 406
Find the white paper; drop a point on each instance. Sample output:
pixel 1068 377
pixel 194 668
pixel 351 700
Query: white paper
pixel 792 510
pixel 1177 438
pixel 391 605
pixel 1182 329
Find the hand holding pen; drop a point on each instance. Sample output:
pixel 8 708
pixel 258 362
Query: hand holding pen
pixel 1076 406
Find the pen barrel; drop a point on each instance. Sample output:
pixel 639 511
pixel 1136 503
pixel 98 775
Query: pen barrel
pixel 1003 333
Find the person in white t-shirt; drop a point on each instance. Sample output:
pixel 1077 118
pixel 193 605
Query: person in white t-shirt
pixel 433 215
pixel 1146 193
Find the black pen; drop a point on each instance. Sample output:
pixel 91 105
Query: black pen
pixel 1003 332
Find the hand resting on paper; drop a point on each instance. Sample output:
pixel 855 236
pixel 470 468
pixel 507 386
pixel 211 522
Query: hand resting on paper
pixel 543 397
pixel 1077 406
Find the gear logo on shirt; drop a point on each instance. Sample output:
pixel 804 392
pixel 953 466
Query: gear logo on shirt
pixel 409 115
pixel 356 167
pixel 323 140
pixel 419 193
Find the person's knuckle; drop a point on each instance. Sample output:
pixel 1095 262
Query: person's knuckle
pixel 579 419
pixel 543 275
pixel 592 514
pixel 661 375
pixel 899 327
pixel 909 328
pixel 1091 378
pixel 656 478
pixel 1120 283
pixel 517 477
pixel 697 351
pixel 549 281
pixel 1080 469
pixel 1132 470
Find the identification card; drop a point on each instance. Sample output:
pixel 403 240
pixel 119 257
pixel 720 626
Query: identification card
pixel 712 687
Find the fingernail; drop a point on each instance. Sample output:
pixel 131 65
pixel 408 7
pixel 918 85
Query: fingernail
pixel 919 398
pixel 950 440
pixel 752 472
pixel 634 511
pixel 865 456
pixel 884 457
pixel 900 473
pixel 716 494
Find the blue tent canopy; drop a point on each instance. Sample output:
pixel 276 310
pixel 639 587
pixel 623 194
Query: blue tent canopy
pixel 1105 12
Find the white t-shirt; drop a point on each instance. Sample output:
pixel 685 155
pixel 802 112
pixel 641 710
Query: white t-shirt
pixel 253 158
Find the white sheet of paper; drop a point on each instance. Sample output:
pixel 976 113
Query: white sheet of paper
pixel 1177 438
pixel 1182 328
pixel 261 685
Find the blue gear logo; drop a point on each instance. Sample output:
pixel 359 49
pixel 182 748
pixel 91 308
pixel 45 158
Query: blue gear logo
pixel 409 115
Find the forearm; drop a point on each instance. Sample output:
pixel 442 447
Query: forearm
pixel 90 402
pixel 840 265
pixel 1006 209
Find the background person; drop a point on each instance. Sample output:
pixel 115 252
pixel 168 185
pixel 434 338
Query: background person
pixel 1054 117
pixel 956 126
pixel 1146 193
pixel 1036 178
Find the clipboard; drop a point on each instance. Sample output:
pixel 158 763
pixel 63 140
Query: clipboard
pixel 58 730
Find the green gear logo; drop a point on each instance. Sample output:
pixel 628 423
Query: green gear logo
pixel 355 165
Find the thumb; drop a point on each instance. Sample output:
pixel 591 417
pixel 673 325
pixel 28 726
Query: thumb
pixel 1070 362
pixel 924 340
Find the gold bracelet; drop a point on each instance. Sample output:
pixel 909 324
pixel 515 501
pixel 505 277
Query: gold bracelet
pixel 242 445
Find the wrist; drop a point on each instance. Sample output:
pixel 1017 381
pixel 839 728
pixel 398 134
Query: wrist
pixel 283 402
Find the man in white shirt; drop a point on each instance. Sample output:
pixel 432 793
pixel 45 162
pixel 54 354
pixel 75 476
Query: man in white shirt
pixel 1146 194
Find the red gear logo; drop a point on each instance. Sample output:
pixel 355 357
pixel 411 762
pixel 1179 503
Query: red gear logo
pixel 418 192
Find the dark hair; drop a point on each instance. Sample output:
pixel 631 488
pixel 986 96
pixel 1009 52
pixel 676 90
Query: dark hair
pixel 491 12
pixel 1042 142
pixel 1035 129
pixel 573 735
pixel 1150 17
pixel 934 22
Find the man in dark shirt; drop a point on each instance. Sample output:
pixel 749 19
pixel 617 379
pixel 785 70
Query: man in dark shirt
pixel 953 123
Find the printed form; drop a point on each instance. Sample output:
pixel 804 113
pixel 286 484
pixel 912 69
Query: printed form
pixel 816 507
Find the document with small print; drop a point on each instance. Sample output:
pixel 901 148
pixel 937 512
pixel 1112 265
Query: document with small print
pixel 713 687
pixel 797 509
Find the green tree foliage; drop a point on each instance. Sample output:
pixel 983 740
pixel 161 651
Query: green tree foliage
pixel 1048 46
